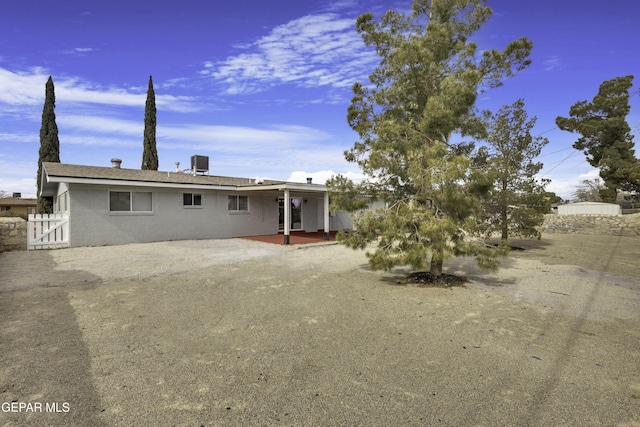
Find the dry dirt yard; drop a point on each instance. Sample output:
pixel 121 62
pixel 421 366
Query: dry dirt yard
pixel 239 333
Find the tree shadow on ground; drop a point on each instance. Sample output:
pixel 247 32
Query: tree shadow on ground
pixel 43 356
pixel 520 244
pixel 458 273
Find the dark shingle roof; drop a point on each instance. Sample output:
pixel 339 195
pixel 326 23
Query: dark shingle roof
pixel 62 170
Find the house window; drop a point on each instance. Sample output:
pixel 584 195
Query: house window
pixel 60 204
pixel 238 203
pixel 130 201
pixel 191 199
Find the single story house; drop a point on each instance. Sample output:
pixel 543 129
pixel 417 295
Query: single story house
pixel 17 206
pixel 114 205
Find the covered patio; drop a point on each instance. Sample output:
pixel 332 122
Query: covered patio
pixel 285 192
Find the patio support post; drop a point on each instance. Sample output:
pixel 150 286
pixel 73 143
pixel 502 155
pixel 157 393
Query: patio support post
pixel 326 215
pixel 287 216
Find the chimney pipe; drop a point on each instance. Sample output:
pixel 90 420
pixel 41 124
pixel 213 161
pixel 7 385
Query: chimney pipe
pixel 177 167
pixel 309 180
pixel 115 163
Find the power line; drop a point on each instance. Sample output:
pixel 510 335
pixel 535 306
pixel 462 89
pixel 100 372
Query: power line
pixel 554 152
pixel 546 131
pixel 580 163
pixel 560 162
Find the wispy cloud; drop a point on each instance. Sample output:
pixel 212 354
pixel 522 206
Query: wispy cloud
pixel 22 88
pixel 19 138
pixel 225 138
pixel 339 5
pixel 28 88
pixel 96 141
pixel 272 148
pixel 552 63
pixel 592 174
pixel 315 50
pixel 241 138
pixel 100 125
pixel 80 51
pixel 12 171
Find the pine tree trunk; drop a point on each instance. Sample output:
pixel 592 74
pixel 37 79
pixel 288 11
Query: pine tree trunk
pixel 505 226
pixel 504 215
pixel 436 267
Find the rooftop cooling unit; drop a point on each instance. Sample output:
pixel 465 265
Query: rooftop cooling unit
pixel 200 163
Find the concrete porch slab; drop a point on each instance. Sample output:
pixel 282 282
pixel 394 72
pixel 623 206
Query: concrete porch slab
pixel 295 238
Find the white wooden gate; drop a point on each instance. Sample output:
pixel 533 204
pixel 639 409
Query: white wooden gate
pixel 47 231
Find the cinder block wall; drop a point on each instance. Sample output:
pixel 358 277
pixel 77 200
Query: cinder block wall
pixel 13 234
pixel 617 225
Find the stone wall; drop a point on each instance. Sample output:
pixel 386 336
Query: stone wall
pixel 617 225
pixel 13 234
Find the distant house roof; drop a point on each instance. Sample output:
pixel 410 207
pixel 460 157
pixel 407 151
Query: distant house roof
pixel 590 203
pixel 11 201
pixel 55 173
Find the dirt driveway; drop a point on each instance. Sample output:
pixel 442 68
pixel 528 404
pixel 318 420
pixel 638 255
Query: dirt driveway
pixel 234 332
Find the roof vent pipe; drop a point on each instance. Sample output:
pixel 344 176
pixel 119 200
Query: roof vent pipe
pixel 115 163
pixel 309 180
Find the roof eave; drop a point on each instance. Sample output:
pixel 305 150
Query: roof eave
pixel 297 186
pixel 130 183
pixel 47 187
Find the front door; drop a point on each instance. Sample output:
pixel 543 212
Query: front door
pixel 296 213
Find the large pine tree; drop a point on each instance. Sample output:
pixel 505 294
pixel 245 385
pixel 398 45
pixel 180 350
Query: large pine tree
pixel 606 136
pixel 423 92
pixel 150 154
pixel 49 144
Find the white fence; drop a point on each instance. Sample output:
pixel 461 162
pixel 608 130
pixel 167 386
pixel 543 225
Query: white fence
pixel 47 231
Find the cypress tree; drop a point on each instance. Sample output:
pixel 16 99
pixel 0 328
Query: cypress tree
pixel 49 144
pixel 150 154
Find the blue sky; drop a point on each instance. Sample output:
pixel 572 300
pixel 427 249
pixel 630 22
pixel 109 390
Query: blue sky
pixel 262 87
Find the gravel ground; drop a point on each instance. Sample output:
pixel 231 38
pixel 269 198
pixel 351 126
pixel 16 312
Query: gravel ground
pixel 235 332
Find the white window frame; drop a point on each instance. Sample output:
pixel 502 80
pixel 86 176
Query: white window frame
pixel 62 202
pixel 237 209
pixel 131 211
